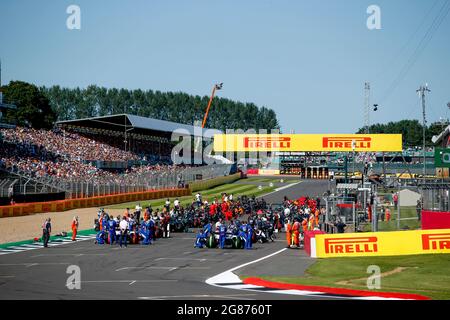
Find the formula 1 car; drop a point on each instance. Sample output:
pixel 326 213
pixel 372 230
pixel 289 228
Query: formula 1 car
pixel 232 240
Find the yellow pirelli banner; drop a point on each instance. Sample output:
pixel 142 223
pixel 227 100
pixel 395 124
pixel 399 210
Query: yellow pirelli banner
pixel 307 142
pixel 268 172
pixel 382 243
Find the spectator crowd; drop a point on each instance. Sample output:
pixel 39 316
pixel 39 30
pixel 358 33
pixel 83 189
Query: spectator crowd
pixel 65 156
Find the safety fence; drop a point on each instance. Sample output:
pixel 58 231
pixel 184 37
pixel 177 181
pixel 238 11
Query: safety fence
pixel 68 204
pixel 149 180
pixel 436 197
pixel 171 177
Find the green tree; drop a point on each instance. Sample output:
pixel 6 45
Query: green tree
pixel 411 130
pixel 33 106
pixel 171 106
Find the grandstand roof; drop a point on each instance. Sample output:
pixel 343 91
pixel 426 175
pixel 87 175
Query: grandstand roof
pixel 443 137
pixel 142 125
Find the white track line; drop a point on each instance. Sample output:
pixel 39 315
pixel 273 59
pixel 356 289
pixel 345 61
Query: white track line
pixel 280 189
pixel 229 277
pixel 165 268
pixel 130 282
pixel 31 246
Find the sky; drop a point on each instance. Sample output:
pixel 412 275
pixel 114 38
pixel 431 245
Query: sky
pixel 307 60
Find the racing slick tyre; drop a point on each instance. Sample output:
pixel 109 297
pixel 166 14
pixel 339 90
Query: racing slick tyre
pixel 236 243
pixel 211 241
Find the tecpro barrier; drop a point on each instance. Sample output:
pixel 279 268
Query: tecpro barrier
pixel 374 244
pixel 63 205
pixel 435 220
pixel 269 172
pixel 310 242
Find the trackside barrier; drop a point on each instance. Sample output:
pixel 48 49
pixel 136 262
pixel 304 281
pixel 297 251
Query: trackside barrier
pixel 310 242
pixel 252 171
pixel 435 220
pixel 63 205
pixel 374 244
pixel 268 172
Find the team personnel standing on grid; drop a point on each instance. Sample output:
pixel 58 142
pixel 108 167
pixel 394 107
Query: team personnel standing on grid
pixel 46 231
pixel 75 224
pixel 123 231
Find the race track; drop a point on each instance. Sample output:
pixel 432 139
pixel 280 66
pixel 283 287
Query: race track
pixel 168 269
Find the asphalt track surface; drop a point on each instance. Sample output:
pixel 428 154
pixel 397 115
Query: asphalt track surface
pixel 168 269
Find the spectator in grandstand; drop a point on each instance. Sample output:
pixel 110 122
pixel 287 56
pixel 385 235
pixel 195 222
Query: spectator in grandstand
pixel 10 192
pixel 61 142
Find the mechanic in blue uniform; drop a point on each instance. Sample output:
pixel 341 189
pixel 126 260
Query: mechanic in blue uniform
pixel 243 233
pixel 112 230
pixel 248 243
pixel 203 235
pixel 100 237
pixel 145 232
pixel 131 226
pixel 152 229
pixel 105 226
pixel 222 235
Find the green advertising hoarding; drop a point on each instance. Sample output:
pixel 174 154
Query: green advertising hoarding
pixel 442 158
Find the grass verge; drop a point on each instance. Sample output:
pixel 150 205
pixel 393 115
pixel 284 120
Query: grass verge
pixel 232 188
pixel 52 238
pixel 426 275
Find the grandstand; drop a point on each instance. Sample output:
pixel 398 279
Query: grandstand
pixel 96 156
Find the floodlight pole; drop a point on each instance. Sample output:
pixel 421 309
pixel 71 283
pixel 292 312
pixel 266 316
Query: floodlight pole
pixel 422 90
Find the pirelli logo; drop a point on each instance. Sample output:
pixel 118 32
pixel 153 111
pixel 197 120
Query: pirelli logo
pixel 436 241
pixel 351 245
pixel 267 143
pixel 346 143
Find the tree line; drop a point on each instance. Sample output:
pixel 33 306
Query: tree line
pixel 42 107
pixel 58 103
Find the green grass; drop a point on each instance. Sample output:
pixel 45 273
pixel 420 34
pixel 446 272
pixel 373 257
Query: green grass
pixel 234 188
pixel 425 274
pixel 267 180
pixel 405 212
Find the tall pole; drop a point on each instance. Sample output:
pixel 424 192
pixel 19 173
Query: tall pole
pixel 422 90
pixel 367 107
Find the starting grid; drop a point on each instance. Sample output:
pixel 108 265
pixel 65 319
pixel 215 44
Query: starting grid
pixel 40 245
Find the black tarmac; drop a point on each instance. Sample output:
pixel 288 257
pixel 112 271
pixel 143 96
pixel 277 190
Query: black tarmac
pixel 167 269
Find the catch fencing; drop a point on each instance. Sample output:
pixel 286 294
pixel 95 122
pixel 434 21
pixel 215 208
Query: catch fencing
pixel 167 178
